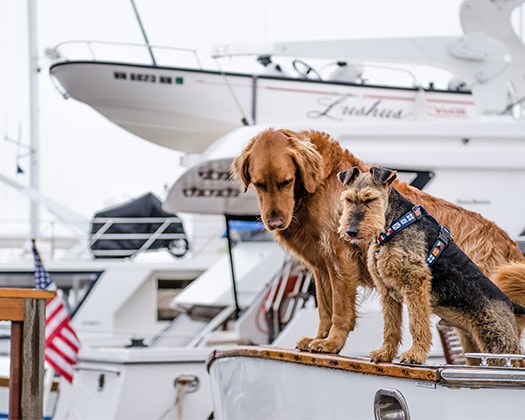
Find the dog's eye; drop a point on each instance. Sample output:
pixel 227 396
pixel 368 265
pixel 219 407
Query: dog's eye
pixel 260 186
pixel 368 201
pixel 284 184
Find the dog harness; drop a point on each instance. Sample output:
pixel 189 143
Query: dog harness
pixel 417 213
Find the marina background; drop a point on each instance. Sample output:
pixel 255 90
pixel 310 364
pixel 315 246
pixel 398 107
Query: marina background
pixel 88 163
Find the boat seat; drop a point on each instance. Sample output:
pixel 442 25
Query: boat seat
pixel 451 345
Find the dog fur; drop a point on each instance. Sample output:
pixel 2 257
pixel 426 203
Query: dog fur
pixel 452 286
pixel 295 177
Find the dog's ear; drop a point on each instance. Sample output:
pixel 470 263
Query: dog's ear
pixel 382 176
pixel 288 133
pixel 308 161
pixel 239 167
pixel 348 176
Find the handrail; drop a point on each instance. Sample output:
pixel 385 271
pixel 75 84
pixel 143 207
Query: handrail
pixel 56 52
pixel 111 229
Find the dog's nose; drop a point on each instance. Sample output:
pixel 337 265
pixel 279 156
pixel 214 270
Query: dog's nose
pixel 352 232
pixel 275 222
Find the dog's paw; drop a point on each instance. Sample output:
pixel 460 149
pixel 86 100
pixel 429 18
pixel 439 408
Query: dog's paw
pixel 325 345
pixel 304 344
pixel 411 357
pixel 381 355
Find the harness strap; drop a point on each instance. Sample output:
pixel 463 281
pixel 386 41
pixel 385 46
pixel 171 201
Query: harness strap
pixel 407 219
pixel 439 245
pixel 417 213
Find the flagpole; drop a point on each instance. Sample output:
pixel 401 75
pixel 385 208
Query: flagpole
pixel 34 129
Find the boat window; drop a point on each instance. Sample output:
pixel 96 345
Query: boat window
pixel 167 289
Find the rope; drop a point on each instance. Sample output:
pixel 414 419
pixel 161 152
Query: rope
pixel 180 396
pixel 244 119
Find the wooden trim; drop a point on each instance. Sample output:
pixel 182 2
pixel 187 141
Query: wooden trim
pixel 12 292
pixel 333 361
pixel 11 309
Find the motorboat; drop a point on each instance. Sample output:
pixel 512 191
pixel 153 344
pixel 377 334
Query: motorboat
pixel 179 99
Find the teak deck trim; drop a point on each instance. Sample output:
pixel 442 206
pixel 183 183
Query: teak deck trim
pixel 446 375
pixel 334 361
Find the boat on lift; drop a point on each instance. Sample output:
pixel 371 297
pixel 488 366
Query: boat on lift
pixel 179 99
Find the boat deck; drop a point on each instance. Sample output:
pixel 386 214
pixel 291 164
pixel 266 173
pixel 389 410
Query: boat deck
pixel 443 374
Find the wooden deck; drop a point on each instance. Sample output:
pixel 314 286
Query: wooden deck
pixel 443 374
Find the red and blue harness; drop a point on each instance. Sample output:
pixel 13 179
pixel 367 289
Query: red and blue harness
pixel 417 213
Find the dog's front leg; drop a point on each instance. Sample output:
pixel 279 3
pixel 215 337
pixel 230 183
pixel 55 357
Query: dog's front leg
pixel 418 302
pixel 323 292
pixel 392 322
pixel 343 314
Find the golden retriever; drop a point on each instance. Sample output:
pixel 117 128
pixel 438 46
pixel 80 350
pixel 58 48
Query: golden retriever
pixel 295 176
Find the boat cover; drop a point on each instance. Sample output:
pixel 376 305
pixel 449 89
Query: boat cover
pixel 126 236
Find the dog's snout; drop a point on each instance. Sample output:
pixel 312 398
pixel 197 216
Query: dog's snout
pixel 352 231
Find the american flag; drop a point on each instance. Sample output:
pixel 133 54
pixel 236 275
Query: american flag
pixel 61 344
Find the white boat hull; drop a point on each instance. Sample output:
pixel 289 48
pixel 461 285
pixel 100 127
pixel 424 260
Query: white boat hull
pixel 188 109
pixel 139 383
pixel 273 383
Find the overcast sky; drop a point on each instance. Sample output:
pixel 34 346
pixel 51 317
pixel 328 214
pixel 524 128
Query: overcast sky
pixel 86 162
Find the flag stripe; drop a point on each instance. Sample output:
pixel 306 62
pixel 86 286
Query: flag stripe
pixel 61 366
pixel 61 342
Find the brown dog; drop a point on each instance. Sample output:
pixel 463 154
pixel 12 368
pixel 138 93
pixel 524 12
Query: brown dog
pixel 295 175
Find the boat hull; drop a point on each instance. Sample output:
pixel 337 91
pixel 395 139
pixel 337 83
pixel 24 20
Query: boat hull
pixel 109 383
pixel 275 383
pixel 188 109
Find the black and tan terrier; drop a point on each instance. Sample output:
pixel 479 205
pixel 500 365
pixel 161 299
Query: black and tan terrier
pixel 414 260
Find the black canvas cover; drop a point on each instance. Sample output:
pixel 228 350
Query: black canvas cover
pixel 146 206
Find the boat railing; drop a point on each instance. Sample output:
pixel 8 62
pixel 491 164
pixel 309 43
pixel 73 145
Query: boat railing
pixel 130 52
pixel 57 239
pixel 128 236
pixel 60 240
pixel 162 55
pixel 485 357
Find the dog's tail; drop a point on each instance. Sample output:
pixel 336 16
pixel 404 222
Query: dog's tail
pixel 510 278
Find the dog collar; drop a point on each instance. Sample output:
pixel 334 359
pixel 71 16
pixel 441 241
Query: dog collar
pixel 407 219
pixel 417 213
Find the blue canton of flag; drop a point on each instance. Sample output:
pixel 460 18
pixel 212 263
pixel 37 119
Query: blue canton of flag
pixel 42 277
